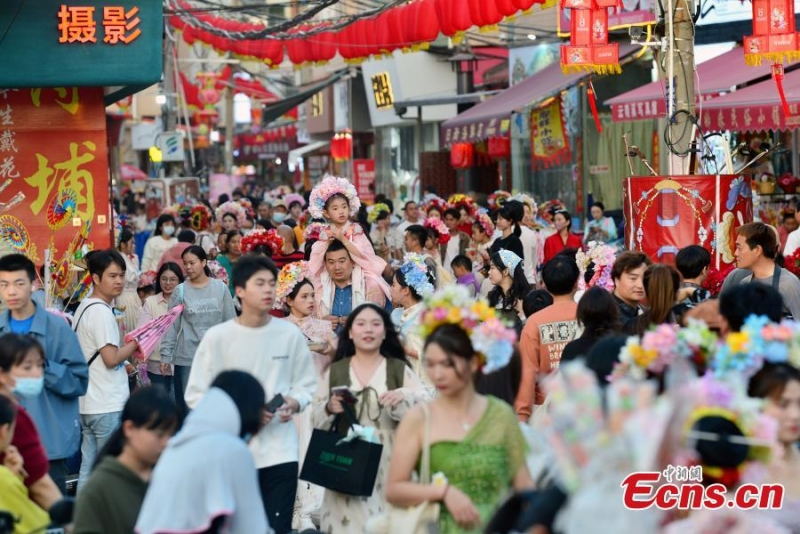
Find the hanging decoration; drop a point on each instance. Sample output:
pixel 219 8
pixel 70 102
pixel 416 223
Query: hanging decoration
pixel 549 142
pixel 774 39
pixel 499 147
pixel 589 49
pixel 342 146
pixel 591 96
pixel 462 155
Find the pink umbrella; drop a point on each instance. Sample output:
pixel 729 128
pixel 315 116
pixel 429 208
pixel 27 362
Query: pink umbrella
pixel 130 172
pixel 150 334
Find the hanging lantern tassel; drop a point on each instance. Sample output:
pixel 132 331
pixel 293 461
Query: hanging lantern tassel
pixel 777 75
pixel 593 106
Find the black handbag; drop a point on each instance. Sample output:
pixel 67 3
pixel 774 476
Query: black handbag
pixel 349 468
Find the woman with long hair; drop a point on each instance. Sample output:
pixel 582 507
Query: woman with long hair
pixel 477 449
pixel 598 315
pixel 233 245
pixel 207 302
pixel 111 499
pixel 169 276
pixel 161 240
pixel 563 238
pixel 129 302
pixel 661 286
pixel 507 275
pixel 508 222
pixel 778 384
pixel 410 284
pixel 370 362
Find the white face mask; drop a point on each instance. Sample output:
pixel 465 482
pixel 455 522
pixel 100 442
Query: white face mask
pixel 168 230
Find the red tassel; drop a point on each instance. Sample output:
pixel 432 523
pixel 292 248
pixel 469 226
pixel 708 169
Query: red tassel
pixel 777 75
pixel 593 106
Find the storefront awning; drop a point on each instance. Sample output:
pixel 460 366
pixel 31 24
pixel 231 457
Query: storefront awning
pixel 278 109
pixel 754 108
pixel 493 117
pixel 297 153
pixel 717 75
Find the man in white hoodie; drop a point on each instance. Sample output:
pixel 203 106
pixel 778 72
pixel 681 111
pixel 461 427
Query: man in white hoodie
pixel 276 353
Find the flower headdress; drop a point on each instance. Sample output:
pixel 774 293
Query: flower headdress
pixel 415 272
pixel 433 201
pixel 716 278
pixel 291 275
pixel 491 338
pixel 218 271
pixel 459 201
pixel 603 257
pixel 377 209
pixel 528 201
pixel 294 197
pixel 550 207
pixel 326 189
pixel 498 198
pixel 443 234
pixel 510 260
pixel 485 222
pixel 172 211
pixel 269 238
pixel 248 208
pixel 200 217
pixel 235 209
pixel 314 230
pixel 280 191
pixel 759 341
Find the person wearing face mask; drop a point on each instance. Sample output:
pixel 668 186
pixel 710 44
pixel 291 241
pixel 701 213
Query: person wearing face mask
pixel 22 376
pixel 279 212
pixel 162 240
pixel 66 378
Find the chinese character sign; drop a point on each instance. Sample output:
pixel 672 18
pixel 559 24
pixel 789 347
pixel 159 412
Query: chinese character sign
pixel 549 142
pixel 53 168
pixel 364 179
pixel 665 214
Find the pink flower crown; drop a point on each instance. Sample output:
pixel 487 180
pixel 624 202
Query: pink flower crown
pixel 485 222
pixel 235 209
pixel 603 257
pixel 432 201
pixel 291 275
pixel 441 230
pixel 314 230
pixel 326 189
pixel 269 238
pixel 459 201
pixel 498 198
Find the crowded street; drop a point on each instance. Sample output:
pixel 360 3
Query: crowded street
pixel 399 267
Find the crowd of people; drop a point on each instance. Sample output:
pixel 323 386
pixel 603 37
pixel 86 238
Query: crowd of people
pixel 490 351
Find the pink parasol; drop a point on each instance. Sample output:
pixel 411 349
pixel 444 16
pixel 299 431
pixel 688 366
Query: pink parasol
pixel 150 334
pixel 131 172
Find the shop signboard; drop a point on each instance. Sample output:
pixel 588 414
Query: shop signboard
pixel 664 214
pixel 53 169
pixel 364 179
pixel 88 43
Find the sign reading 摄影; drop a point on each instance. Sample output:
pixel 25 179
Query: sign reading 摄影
pixel 55 43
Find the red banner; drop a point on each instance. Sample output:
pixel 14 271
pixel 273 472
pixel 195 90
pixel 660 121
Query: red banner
pixel 53 169
pixel 665 214
pixel 364 179
pixel 751 119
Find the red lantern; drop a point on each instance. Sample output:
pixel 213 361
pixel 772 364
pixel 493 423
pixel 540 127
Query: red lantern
pixel 499 147
pixel 323 46
pixel 507 8
pixel 589 48
pixel 525 5
pixel 342 146
pixel 397 28
pixel 427 25
pixel 455 17
pixel 462 155
pixel 484 13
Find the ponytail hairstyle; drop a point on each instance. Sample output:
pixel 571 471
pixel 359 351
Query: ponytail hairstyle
pixel 514 211
pixel 151 408
pixel 200 253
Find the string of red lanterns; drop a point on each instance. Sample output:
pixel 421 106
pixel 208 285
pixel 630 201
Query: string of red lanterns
pixel 342 146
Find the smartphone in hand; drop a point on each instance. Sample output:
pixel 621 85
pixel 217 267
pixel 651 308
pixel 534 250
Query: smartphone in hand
pixel 276 402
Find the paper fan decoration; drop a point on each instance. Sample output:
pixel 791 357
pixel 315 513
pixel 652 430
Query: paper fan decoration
pixel 150 334
pixel 61 209
pixel 14 233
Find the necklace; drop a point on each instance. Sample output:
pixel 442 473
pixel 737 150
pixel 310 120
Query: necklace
pixel 465 422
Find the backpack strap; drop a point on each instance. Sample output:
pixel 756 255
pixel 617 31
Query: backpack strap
pixel 395 373
pixel 75 329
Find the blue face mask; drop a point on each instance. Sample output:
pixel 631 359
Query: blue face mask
pixel 28 387
pixel 278 217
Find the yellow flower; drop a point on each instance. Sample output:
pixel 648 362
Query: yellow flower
pixel 454 316
pixel 738 341
pixel 482 310
pixel 641 357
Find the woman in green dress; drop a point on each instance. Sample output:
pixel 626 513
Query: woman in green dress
pixel 234 252
pixel 475 441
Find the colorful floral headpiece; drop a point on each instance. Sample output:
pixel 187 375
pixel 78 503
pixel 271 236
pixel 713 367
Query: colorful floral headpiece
pixel 377 209
pixel 173 211
pixel 294 197
pixel 498 198
pixel 218 271
pixel 291 275
pixel 415 272
pixel 248 208
pixel 328 187
pixel 759 341
pixel 280 191
pixel 548 208
pixel 148 279
pixel 443 234
pixel 528 201
pixel 459 201
pixel 314 230
pixel 603 257
pixel 200 217
pixel 234 208
pixel 510 260
pixel 433 201
pixel 269 238
pixel 491 338
pixel 485 222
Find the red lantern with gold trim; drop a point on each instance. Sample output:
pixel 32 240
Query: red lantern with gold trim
pixel 507 8
pixel 499 147
pixel 462 155
pixel 589 49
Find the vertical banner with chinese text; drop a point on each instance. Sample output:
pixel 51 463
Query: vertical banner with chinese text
pixel 53 169
pixel 364 179
pixel 549 142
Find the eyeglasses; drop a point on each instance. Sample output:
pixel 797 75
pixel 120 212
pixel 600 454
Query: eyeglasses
pixel 169 280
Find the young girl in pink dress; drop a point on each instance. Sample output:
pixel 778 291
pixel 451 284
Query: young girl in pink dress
pixel 336 200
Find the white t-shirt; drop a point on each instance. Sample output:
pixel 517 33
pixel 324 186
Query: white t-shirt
pixel 453 248
pixel 108 388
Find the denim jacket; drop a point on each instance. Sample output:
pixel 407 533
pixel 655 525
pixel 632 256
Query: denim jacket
pixel 66 377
